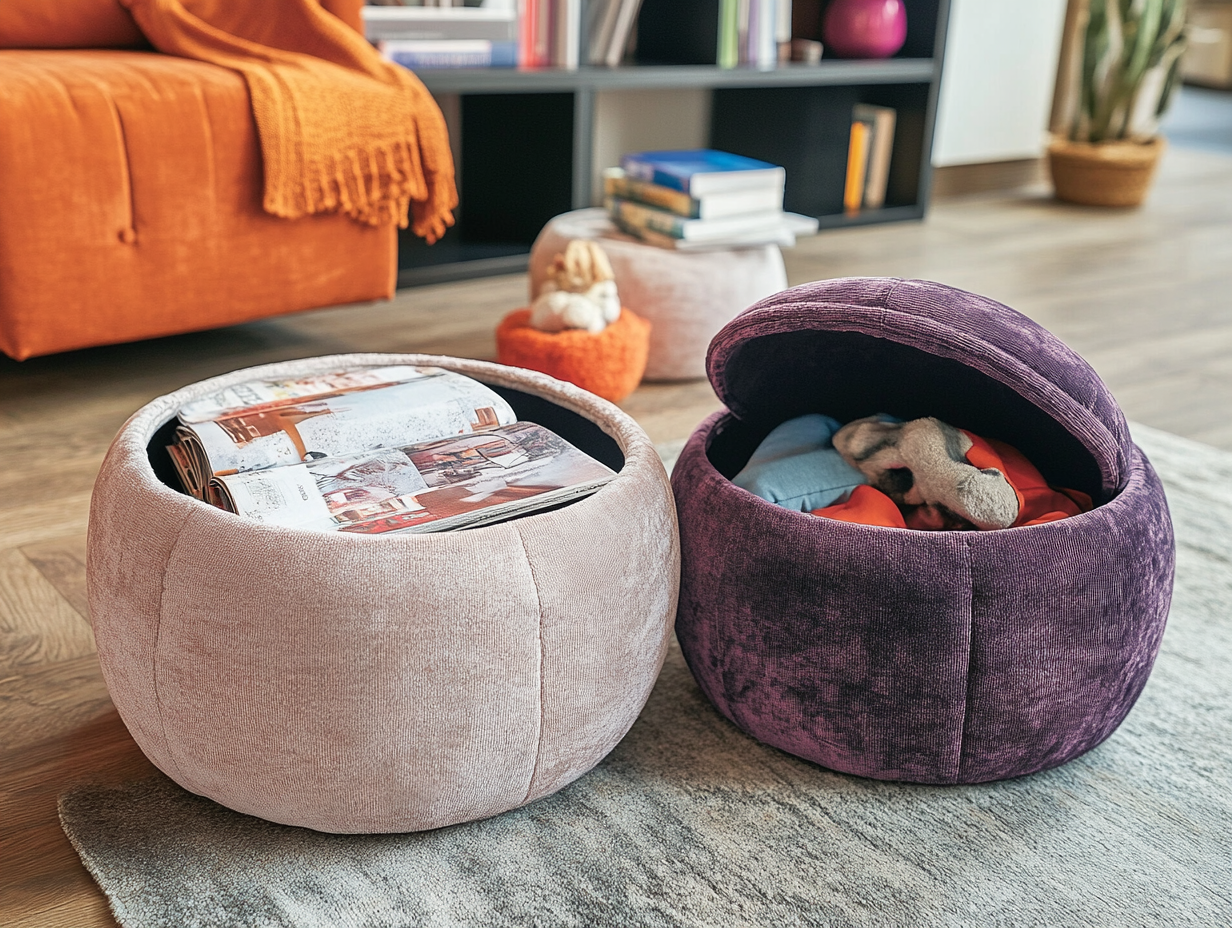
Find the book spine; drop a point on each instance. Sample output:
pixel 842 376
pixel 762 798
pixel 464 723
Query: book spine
pixel 767 32
pixel 664 198
pixel 625 19
pixel 880 152
pixel 742 30
pixel 602 19
pixel 728 51
pixel 566 33
pixel 782 30
pixel 527 13
pixel 649 236
pixel 857 160
pixel 543 33
pixel 646 217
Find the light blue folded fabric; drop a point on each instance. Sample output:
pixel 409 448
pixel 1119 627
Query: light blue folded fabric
pixel 796 466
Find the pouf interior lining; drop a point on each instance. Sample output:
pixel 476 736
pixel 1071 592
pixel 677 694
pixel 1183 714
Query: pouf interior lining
pixel 848 375
pixel 579 431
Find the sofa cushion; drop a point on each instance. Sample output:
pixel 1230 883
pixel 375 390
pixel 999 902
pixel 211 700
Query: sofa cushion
pixel 100 23
pixel 130 207
pixel 67 24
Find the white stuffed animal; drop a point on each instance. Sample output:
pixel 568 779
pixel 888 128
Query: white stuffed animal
pixel 579 293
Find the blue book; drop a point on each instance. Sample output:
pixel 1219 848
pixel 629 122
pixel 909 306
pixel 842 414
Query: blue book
pixel 700 172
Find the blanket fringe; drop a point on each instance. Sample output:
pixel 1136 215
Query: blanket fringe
pixel 374 185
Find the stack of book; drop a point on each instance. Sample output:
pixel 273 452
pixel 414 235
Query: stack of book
pixel 868 157
pixel 701 199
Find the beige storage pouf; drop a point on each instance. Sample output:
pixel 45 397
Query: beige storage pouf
pixel 686 296
pixel 354 683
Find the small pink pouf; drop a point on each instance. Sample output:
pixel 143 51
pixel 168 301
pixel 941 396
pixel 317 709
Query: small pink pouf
pixel 359 683
pixel 685 296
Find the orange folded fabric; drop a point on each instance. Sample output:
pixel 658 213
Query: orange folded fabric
pixel 1037 501
pixel 341 130
pixel 865 506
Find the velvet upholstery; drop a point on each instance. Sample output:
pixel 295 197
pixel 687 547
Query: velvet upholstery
pixel 354 683
pixel 935 657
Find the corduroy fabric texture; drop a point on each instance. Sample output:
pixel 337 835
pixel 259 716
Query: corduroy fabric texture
pixel 353 683
pixel 341 130
pixel 937 657
pixel 130 207
pixel 685 296
pixel 608 363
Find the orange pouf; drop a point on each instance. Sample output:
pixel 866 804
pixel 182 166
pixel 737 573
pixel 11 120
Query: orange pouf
pixel 608 363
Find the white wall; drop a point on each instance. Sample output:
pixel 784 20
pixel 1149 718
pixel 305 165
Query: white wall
pixel 996 89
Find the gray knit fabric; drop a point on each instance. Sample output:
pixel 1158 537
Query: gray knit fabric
pixel 689 822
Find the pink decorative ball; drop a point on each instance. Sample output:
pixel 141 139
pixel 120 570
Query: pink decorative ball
pixel 865 28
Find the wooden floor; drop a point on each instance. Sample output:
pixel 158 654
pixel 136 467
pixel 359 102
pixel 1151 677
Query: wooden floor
pixel 1145 295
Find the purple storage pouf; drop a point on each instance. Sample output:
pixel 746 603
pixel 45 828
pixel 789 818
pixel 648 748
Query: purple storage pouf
pixel 934 657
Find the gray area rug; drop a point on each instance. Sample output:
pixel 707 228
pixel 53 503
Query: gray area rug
pixel 689 822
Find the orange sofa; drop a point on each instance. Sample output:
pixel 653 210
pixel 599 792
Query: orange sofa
pixel 131 191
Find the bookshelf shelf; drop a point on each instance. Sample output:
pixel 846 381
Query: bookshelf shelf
pixel 525 139
pixel 653 77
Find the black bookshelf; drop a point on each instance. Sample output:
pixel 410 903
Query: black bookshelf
pixel 527 138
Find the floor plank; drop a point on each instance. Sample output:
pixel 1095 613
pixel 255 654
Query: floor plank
pixel 37 624
pixel 59 727
pixel 62 561
pixel 54 518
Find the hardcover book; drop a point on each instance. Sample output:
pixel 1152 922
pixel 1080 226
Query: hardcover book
pixel 880 121
pixel 715 206
pixel 702 171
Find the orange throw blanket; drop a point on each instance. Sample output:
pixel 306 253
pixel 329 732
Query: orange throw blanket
pixel 1037 501
pixel 341 130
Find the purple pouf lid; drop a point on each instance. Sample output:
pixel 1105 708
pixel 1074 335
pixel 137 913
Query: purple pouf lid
pixel 822 347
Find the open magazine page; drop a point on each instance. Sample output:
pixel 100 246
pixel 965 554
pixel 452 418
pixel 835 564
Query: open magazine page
pixel 354 419
pixel 433 486
pixel 259 394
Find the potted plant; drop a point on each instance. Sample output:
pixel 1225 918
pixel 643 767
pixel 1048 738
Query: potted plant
pixel 1123 62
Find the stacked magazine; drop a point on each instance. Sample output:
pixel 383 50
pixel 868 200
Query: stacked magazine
pixel 375 450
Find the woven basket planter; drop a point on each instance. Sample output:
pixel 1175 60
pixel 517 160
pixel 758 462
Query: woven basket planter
pixel 1103 174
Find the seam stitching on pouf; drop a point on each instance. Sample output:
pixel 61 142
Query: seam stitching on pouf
pixel 158 635
pixel 966 708
pixel 534 772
